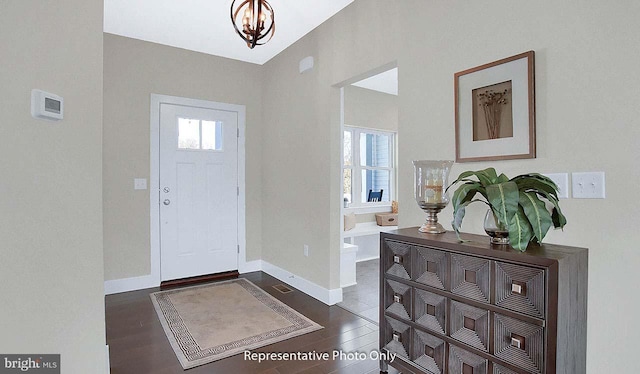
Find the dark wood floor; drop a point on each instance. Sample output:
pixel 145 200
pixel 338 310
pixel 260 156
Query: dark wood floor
pixel 138 344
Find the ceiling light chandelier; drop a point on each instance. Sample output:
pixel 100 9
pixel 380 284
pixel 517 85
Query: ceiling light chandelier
pixel 256 17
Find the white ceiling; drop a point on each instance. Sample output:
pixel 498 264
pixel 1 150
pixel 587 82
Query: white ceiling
pixel 205 25
pixel 386 82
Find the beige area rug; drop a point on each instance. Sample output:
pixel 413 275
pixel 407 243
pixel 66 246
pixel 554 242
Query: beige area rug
pixel 218 320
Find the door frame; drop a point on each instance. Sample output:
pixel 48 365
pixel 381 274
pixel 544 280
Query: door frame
pixel 154 178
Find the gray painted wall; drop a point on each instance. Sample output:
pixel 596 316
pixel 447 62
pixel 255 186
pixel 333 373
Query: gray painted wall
pixel 133 70
pixel 51 270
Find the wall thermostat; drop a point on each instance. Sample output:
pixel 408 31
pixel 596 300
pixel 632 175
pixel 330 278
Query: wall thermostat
pixel 45 105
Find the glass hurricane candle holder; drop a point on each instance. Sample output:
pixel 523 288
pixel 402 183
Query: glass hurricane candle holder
pixel 430 184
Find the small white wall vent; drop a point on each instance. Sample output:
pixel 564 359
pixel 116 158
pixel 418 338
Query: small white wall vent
pixel 306 64
pixel 45 105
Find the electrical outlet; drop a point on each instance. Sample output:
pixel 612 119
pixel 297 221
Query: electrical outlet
pixel 562 181
pixel 306 250
pixel 588 185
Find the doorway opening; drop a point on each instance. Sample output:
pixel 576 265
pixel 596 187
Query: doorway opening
pixel 369 127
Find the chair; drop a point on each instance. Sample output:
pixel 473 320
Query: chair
pixel 374 196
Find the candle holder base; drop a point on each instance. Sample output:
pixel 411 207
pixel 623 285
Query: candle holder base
pixel 431 226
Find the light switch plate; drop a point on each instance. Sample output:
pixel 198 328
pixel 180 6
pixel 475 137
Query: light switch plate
pixel 562 181
pixel 588 185
pixel 140 184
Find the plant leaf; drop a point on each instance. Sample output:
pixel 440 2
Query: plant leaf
pixel 458 215
pixel 503 198
pixel 520 232
pixel 490 174
pixel 502 178
pixel 466 192
pixel 558 219
pixel 537 182
pixel 485 177
pixel 536 212
pixel 546 188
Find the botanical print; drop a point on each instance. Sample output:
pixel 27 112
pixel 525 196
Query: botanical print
pixel 492 112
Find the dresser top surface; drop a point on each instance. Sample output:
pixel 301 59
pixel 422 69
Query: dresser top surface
pixel 480 245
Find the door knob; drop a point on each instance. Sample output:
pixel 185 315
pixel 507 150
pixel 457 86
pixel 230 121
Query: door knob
pixel 166 202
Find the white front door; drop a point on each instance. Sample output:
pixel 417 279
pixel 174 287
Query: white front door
pixel 198 191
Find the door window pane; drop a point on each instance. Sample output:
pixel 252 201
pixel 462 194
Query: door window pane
pixel 376 180
pixel 374 150
pixel 188 133
pixel 212 135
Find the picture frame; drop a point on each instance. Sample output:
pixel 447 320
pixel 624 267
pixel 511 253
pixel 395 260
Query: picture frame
pixel 495 110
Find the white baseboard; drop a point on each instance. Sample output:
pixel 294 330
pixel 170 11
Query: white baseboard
pixel 367 258
pixel 250 266
pixel 327 296
pixel 130 284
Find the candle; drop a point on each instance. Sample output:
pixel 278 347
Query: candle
pixel 433 192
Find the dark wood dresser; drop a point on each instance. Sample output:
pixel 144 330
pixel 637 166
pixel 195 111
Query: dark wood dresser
pixel 478 308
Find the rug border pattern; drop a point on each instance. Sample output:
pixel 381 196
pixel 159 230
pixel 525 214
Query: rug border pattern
pixel 193 355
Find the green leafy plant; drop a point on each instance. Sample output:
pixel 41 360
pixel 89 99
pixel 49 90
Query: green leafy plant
pixel 517 203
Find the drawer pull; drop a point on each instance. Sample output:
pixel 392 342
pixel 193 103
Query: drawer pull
pixel 469 323
pixel 518 288
pixel 397 337
pixel 429 351
pixel 517 341
pixel 432 267
pixel 470 276
pixel 431 310
pixel 397 259
pixel 397 299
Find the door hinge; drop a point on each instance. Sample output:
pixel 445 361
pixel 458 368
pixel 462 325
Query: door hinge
pixel 238 191
pixel 238 132
pixel 238 248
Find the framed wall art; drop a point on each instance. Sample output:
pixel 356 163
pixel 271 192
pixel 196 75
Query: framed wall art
pixel 495 110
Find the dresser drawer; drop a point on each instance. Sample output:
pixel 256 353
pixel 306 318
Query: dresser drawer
pixel 470 325
pixel 470 277
pixel 397 336
pixel 397 299
pixel 428 352
pixel 452 307
pixel 463 362
pixel 519 343
pixel 430 310
pixel 520 288
pixel 397 259
pixel 497 369
pixel 430 267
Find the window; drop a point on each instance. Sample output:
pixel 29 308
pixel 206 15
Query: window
pixel 368 165
pixel 199 134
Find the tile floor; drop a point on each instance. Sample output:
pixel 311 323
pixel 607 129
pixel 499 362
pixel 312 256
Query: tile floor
pixel 363 298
